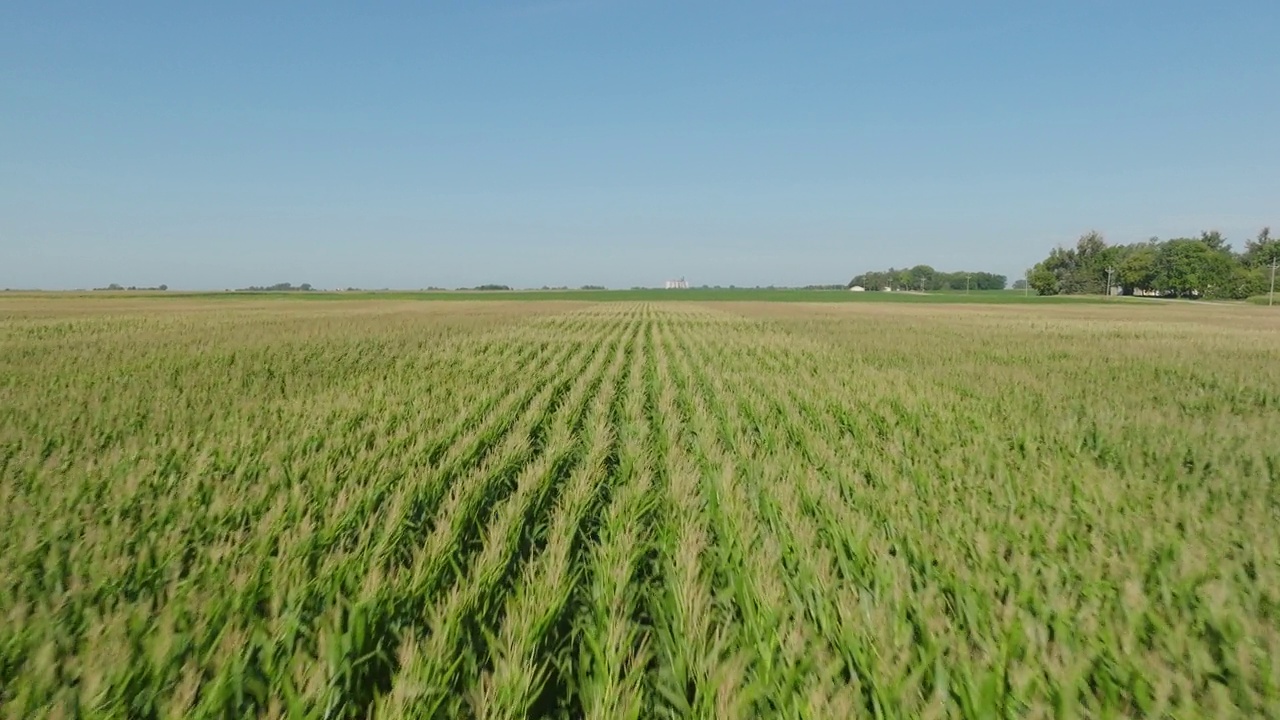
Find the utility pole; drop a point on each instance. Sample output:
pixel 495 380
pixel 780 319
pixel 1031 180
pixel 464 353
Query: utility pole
pixel 966 284
pixel 1026 283
pixel 1271 296
pixel 1110 270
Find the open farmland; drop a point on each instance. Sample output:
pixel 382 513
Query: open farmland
pixel 613 510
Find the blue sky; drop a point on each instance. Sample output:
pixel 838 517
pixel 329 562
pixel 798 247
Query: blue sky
pixel 619 142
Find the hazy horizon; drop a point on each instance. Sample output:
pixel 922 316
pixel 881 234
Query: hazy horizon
pixel 618 143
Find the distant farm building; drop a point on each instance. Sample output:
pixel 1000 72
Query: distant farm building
pixel 680 284
pixel 857 288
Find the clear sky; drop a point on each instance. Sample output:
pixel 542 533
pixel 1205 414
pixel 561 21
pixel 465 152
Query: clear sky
pixel 619 142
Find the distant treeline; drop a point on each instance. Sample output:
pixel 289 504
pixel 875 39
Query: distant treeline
pixel 114 286
pixel 1201 267
pixel 278 287
pixel 925 278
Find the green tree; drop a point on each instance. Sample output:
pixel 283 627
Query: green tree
pixel 1245 281
pixel 1136 270
pixel 1215 241
pixel 1063 265
pixel 1090 245
pixel 1262 250
pixel 1193 268
pixel 922 277
pixel 1078 270
pixel 1044 281
pixel 1092 258
pixel 987 281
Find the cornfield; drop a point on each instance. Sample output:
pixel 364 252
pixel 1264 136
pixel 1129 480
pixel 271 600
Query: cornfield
pixel 637 510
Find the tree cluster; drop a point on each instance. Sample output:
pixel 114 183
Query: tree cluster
pixel 1201 267
pixel 925 278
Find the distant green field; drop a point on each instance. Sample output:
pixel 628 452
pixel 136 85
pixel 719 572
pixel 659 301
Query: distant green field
pixel 643 295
